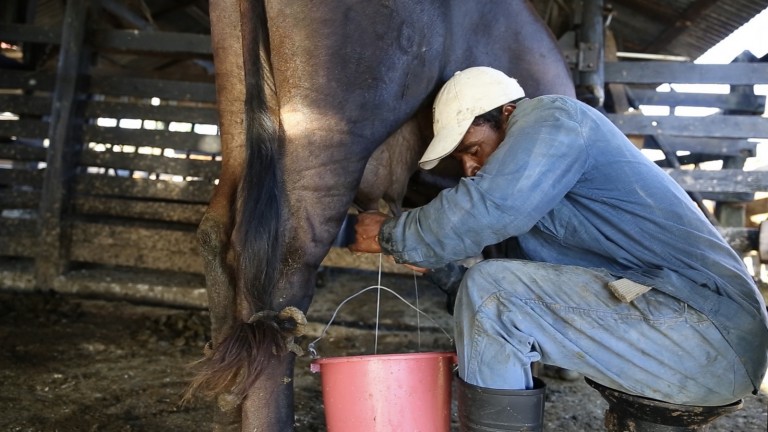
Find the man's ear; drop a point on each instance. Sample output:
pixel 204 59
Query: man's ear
pixel 506 112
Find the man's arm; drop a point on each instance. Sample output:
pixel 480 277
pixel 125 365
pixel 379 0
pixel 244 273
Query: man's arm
pixel 542 157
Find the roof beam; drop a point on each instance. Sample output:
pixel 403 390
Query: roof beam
pixel 683 22
pixel 657 12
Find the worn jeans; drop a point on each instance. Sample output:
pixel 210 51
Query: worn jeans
pixel 511 313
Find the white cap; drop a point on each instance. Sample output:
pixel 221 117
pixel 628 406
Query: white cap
pixel 466 95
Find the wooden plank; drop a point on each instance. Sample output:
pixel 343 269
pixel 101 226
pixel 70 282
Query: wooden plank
pixel 25 128
pixel 30 33
pixel 206 115
pixel 152 41
pixel 24 247
pixel 720 126
pixel 148 138
pixel 161 287
pixel 166 237
pixel 712 146
pixel 722 101
pixel 151 163
pixel 25 104
pixel 18 227
pixel 728 198
pixel 721 181
pixel 27 80
pixel 136 247
pixel 22 152
pixel 19 177
pixel 149 88
pixel 191 192
pixel 139 209
pixel 18 237
pixel 652 72
pixel 19 199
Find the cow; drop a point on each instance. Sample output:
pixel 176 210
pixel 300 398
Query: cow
pixel 307 92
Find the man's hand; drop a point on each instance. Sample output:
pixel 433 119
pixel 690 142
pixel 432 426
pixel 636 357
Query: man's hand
pixel 367 232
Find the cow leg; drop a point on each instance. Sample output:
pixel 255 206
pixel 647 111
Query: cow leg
pixel 215 229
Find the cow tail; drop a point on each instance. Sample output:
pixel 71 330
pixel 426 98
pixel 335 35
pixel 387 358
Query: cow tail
pixel 234 365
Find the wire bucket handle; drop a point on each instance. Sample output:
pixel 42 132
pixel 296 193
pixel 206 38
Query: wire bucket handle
pixel 312 345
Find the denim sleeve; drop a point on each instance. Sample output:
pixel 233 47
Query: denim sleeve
pixel 541 158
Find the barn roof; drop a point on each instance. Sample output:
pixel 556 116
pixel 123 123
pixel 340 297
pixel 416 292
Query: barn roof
pixel 677 27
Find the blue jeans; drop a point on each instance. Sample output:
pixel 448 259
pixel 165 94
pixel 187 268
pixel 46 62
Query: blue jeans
pixel 510 313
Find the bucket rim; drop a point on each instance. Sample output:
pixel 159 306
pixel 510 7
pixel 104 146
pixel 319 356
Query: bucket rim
pixel 376 357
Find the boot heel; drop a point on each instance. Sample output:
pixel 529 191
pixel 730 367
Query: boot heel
pixel 489 410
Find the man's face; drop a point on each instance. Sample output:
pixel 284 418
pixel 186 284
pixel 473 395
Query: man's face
pixel 479 143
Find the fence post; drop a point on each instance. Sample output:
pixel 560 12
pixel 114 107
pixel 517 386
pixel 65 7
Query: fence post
pixel 65 142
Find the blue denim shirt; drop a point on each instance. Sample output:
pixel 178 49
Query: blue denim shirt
pixel 574 191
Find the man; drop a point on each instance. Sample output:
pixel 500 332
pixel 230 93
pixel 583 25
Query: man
pixel 624 280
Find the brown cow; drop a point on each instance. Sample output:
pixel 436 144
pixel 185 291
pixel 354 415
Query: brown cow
pixel 323 85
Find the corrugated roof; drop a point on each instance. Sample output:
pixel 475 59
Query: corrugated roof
pixel 679 27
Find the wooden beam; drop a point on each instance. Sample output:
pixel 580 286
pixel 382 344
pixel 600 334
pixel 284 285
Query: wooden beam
pixel 25 104
pixel 721 181
pixel 21 177
pixel 15 198
pixel 140 209
pixel 754 104
pixel 27 80
pixel 19 237
pixel 134 246
pixel 720 126
pixel 30 33
pixel 109 186
pixel 152 41
pixel 654 72
pixel 150 163
pixel 149 88
pixel 153 138
pixel 25 128
pixel 710 146
pixel 120 110
pixel 52 258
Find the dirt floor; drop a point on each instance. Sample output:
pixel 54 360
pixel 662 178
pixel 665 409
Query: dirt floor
pixel 73 364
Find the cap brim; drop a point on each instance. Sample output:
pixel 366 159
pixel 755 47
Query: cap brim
pixel 443 144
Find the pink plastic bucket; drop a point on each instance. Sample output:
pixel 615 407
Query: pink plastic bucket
pixel 387 392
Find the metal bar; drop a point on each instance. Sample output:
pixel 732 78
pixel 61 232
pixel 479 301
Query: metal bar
pixel 591 42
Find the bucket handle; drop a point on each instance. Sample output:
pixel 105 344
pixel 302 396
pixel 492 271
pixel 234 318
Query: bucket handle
pixel 313 350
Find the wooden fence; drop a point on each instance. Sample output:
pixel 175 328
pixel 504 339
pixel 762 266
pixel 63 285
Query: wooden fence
pixel 687 142
pixel 105 170
pixel 105 173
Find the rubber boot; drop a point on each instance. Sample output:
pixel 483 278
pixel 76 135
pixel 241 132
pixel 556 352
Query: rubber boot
pixel 488 410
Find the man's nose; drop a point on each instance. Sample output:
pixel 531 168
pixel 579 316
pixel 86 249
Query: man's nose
pixel 470 167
